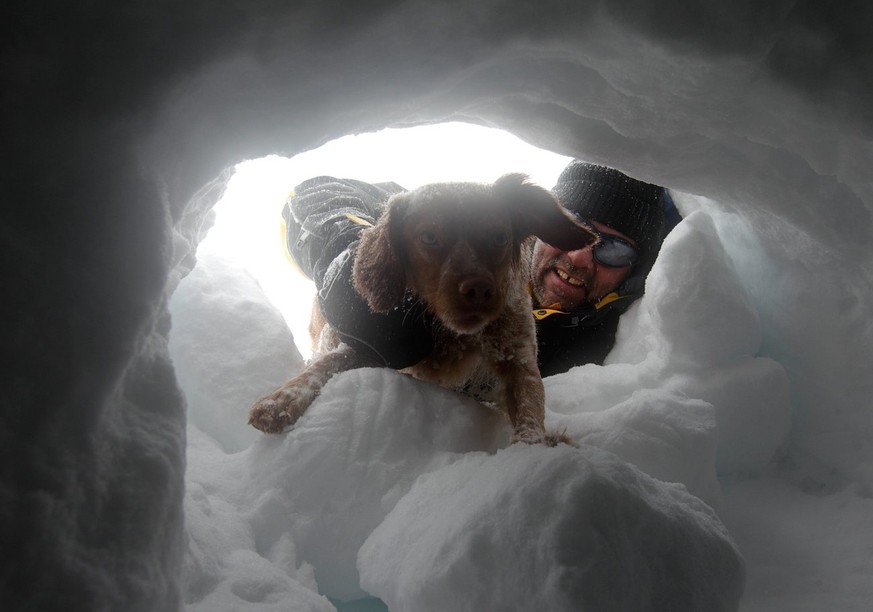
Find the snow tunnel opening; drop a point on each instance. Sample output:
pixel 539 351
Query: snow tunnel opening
pixel 225 362
pixel 244 284
pixel 241 315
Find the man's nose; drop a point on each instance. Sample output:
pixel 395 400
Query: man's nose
pixel 582 258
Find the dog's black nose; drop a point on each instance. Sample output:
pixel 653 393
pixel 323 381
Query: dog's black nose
pixel 477 291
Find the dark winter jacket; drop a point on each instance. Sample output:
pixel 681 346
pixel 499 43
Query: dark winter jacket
pixel 567 340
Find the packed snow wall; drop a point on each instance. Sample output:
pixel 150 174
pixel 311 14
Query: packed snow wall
pixel 119 121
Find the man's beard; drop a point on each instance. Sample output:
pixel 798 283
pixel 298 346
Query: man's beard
pixel 556 295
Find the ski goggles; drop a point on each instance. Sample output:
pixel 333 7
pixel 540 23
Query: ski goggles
pixel 613 251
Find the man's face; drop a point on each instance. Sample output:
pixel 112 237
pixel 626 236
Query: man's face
pixel 568 279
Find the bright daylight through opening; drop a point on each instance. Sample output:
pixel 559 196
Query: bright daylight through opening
pixel 248 222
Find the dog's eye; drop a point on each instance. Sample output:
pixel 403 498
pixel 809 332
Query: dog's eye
pixel 429 238
pixel 499 240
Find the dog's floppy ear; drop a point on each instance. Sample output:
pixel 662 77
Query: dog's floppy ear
pixel 378 274
pixel 536 212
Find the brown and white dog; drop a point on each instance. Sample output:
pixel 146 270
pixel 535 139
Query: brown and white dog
pixel 458 248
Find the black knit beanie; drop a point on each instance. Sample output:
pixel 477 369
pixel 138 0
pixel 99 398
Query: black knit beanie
pixel 634 208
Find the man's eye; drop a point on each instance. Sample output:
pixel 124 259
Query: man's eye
pixel 429 238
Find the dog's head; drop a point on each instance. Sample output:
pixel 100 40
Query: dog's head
pixel 457 246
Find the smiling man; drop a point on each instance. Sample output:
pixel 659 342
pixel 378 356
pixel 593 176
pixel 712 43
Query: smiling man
pixel 580 295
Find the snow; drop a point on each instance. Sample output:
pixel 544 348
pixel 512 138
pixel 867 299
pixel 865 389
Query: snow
pixel 559 529
pixel 409 484
pixel 220 368
pixel 744 376
pixel 403 491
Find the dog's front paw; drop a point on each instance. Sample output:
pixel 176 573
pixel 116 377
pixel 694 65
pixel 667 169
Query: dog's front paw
pixel 268 416
pixel 280 409
pixel 528 435
pixel 534 435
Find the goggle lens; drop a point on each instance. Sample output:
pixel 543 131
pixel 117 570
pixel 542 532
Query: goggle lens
pixel 611 250
pixel 614 252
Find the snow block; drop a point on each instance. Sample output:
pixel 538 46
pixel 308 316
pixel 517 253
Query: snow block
pixel 693 279
pixel 536 528
pixel 752 409
pixel 359 448
pixel 666 434
pixel 229 347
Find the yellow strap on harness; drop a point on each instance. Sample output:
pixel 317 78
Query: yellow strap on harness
pixel 607 299
pixel 541 313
